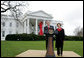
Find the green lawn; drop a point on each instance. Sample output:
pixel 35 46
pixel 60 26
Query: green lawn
pixel 13 48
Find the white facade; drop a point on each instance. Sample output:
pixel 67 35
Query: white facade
pixel 10 26
pixel 28 23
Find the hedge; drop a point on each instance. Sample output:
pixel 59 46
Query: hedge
pixel 24 37
pixel 74 38
pixel 33 37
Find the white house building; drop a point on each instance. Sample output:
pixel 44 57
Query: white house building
pixel 28 23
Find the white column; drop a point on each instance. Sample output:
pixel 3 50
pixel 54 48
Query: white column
pixel 43 25
pixel 36 27
pixel 24 26
pixel 28 31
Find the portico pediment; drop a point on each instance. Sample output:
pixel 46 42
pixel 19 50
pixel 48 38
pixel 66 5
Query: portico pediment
pixel 40 14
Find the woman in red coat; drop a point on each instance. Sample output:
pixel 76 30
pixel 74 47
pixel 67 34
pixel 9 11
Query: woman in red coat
pixel 40 28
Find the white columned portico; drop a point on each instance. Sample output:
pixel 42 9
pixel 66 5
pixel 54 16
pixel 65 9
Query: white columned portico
pixel 36 26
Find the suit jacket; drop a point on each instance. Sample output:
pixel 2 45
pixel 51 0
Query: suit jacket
pixel 46 29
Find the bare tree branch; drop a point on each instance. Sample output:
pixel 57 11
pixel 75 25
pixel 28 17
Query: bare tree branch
pixel 9 6
pixel 78 31
pixel 4 9
pixel 14 9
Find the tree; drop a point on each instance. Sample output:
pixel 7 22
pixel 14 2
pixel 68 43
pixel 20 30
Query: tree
pixel 81 32
pixel 7 5
pixel 78 31
pixel 14 7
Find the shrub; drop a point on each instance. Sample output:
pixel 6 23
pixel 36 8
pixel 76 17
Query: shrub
pixel 33 37
pixel 76 38
pixel 24 37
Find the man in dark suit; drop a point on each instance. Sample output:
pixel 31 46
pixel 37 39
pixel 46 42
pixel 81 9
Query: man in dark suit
pixel 46 29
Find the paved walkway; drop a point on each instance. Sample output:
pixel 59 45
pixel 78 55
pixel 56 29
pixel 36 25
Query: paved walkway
pixel 41 53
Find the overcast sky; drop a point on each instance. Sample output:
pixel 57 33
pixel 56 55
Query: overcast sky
pixel 70 12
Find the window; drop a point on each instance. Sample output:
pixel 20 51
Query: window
pixel 17 24
pixel 3 24
pixel 26 22
pixel 3 33
pixel 10 24
pixel 10 32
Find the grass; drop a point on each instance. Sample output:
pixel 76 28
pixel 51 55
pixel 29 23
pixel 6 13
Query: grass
pixel 13 48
